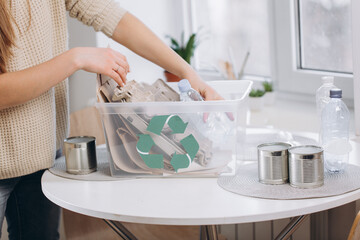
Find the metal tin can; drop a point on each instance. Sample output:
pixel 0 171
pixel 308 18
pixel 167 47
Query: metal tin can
pixel 273 163
pixel 306 166
pixel 80 154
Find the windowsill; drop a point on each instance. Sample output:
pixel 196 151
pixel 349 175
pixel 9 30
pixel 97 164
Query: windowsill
pixel 290 115
pixel 291 111
pixel 213 76
pixel 257 84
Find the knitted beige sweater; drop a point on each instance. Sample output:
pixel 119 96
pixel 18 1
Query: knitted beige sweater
pixel 31 133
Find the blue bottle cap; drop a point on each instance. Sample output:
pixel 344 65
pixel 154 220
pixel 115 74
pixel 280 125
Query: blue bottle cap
pixel 184 85
pixel 335 93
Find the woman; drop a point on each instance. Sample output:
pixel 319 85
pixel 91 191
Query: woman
pixel 35 64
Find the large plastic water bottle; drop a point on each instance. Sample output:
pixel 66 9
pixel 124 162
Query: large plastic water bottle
pixel 323 93
pixel 187 93
pixel 334 136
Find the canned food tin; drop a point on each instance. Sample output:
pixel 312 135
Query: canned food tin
pixel 306 166
pixel 80 154
pixel 273 163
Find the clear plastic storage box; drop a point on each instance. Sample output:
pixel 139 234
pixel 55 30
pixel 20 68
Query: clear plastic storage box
pixel 152 139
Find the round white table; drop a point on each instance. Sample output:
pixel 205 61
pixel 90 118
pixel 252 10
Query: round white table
pixel 180 201
pixel 175 201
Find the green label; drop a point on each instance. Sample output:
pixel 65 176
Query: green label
pixel 177 125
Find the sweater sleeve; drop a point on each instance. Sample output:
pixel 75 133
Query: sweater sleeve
pixel 102 15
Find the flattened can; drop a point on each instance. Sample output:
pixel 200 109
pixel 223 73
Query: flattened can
pixel 306 166
pixel 273 163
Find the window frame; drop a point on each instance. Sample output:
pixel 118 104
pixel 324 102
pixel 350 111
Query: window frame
pixel 289 76
pixel 189 24
pixel 355 9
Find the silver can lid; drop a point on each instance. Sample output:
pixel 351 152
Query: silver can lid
pixel 79 141
pixel 306 151
pixel 274 148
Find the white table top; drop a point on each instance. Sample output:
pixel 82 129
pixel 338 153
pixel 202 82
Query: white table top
pixel 186 201
pixel 179 201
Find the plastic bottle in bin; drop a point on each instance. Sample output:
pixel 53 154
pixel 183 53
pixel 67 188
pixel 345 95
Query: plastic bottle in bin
pixel 216 126
pixel 187 93
pixel 334 135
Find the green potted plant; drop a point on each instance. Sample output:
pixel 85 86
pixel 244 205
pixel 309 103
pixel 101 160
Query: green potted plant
pixel 256 100
pixel 184 49
pixel 269 93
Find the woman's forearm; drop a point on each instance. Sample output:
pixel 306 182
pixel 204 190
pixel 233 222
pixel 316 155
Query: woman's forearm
pixel 133 34
pixel 21 86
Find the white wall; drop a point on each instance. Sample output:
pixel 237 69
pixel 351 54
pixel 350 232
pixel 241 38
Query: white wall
pixel 82 84
pixel 161 16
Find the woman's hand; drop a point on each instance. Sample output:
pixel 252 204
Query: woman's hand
pixel 21 86
pixel 207 92
pixel 103 60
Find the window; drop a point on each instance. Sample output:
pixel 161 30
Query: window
pixel 295 42
pixel 234 31
pixel 312 39
pixel 325 35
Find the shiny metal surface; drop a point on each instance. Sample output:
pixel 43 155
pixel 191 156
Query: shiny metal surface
pixel 273 163
pixel 306 166
pixel 80 154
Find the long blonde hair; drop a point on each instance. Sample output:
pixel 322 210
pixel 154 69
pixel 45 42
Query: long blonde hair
pixel 7 33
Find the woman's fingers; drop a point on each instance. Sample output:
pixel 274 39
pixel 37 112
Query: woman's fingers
pixel 105 61
pixel 122 63
pixel 119 55
pixel 121 72
pixel 120 59
pixel 115 75
pixel 209 94
pixel 121 67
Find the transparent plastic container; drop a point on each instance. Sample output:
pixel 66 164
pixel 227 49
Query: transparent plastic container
pixel 155 139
